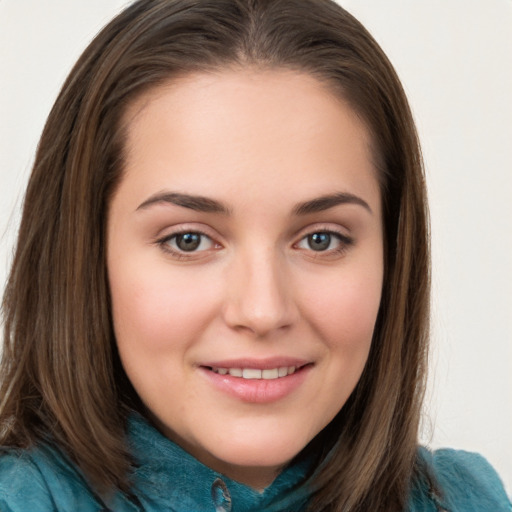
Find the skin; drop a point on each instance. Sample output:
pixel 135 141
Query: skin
pixel 259 142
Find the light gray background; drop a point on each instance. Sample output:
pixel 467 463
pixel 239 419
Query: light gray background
pixel 454 58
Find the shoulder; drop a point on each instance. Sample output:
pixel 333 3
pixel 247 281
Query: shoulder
pixel 22 486
pixel 40 479
pixel 467 482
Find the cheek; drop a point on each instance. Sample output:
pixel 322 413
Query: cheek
pixel 345 308
pixel 156 309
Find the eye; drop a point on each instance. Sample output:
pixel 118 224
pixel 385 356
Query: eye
pixel 190 241
pixel 323 241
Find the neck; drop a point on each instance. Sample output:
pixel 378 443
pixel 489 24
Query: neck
pixel 256 477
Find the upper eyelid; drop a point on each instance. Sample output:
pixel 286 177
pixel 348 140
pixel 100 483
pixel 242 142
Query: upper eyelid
pixel 343 239
pixel 171 231
pixel 174 234
pixel 184 232
pixel 323 228
pixel 320 227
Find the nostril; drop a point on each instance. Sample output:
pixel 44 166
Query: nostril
pixel 258 297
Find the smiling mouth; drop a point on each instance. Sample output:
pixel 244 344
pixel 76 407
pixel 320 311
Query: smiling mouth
pixel 258 374
pixel 258 382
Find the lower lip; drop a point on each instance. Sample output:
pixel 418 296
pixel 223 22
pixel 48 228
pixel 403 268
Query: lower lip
pixel 258 391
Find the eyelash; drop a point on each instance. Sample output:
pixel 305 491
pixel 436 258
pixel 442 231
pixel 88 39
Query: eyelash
pixel 163 243
pixel 344 243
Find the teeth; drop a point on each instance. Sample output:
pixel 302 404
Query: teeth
pixel 282 372
pixel 270 374
pixel 253 373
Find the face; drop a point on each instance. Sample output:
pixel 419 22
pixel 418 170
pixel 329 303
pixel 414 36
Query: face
pixel 245 260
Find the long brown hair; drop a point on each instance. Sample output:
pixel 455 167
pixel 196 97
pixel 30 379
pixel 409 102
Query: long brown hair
pixel 61 376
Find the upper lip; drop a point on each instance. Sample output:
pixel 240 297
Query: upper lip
pixel 259 364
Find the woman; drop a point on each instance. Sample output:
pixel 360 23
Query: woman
pixel 219 298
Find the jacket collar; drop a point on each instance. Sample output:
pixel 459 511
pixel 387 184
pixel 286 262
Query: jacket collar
pixel 167 476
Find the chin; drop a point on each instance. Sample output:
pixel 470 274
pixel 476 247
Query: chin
pixel 269 451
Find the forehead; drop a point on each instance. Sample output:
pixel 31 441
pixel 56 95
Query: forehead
pixel 245 125
pixel 258 96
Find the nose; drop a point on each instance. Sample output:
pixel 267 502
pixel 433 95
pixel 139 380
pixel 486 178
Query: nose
pixel 259 294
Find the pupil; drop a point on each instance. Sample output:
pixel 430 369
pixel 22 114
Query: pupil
pixel 188 241
pixel 319 241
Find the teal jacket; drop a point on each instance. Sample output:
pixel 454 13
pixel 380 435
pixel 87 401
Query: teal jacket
pixel 169 479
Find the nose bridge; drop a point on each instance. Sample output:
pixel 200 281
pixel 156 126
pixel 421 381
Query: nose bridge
pixel 259 294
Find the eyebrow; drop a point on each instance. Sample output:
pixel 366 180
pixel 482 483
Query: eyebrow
pixel 208 205
pixel 197 203
pixel 323 203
